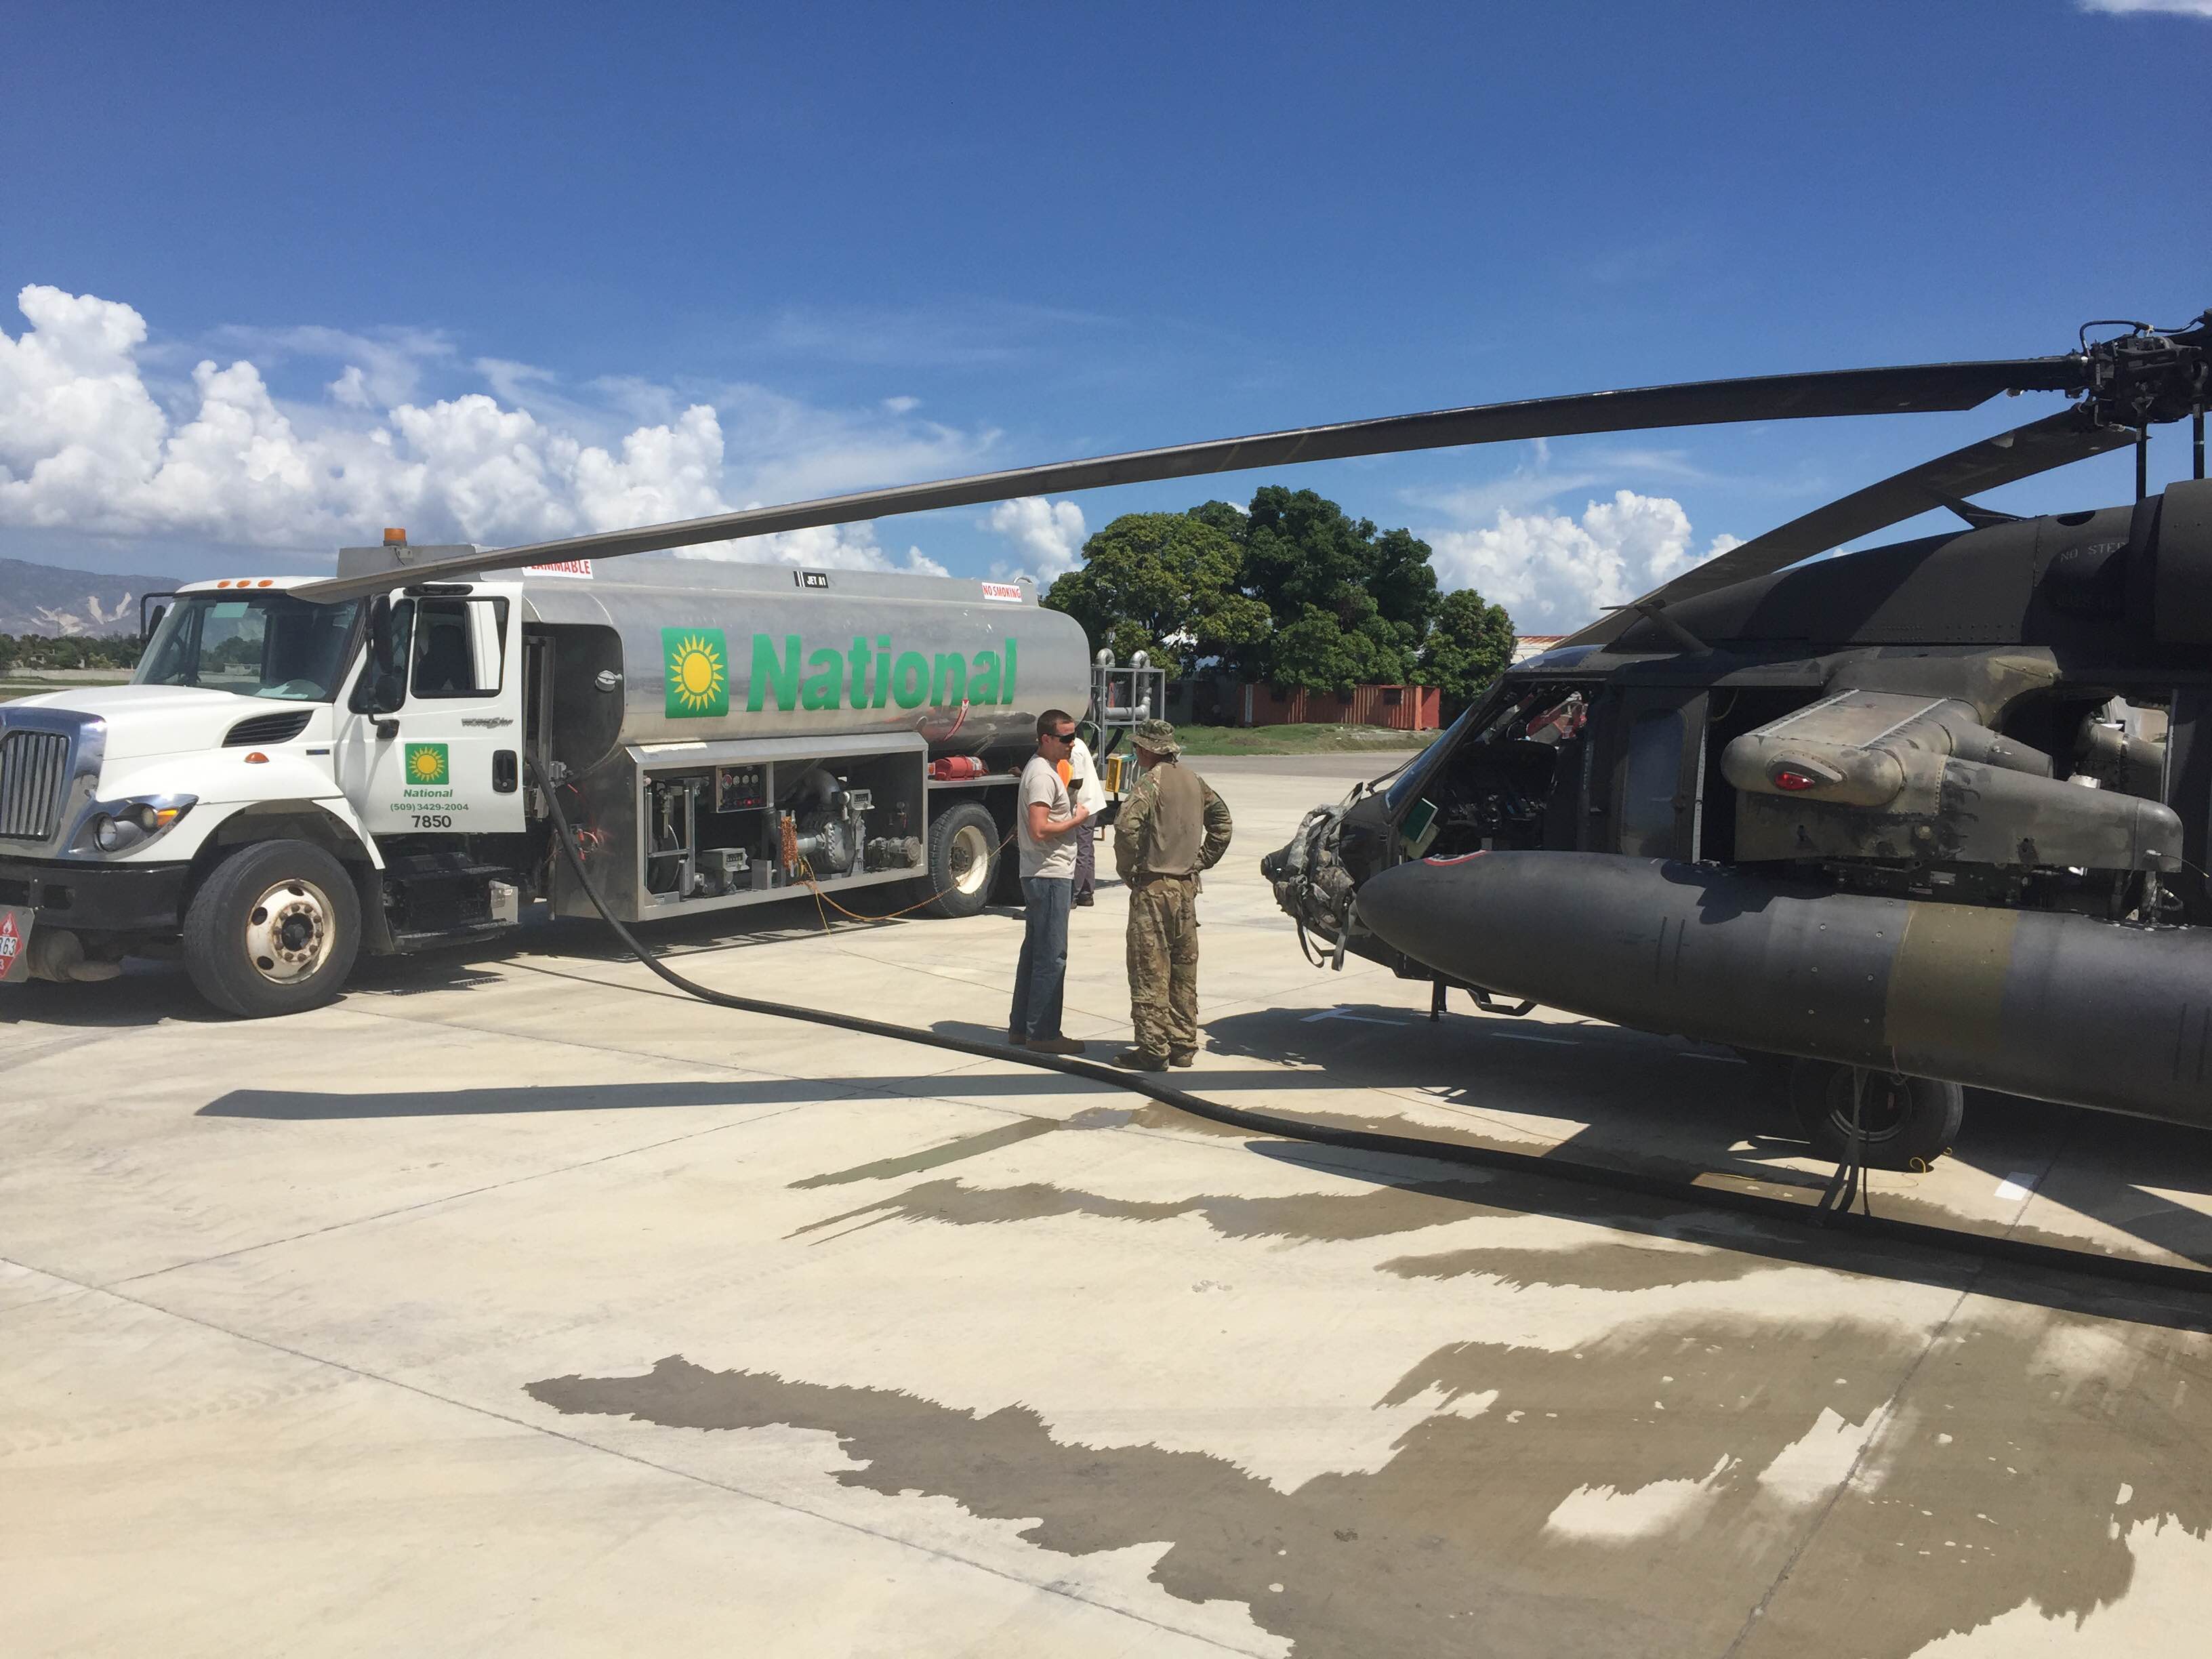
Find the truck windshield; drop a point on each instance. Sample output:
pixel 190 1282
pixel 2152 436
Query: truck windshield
pixel 261 644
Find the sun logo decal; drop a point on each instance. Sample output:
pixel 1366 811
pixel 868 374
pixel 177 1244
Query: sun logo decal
pixel 427 765
pixel 698 671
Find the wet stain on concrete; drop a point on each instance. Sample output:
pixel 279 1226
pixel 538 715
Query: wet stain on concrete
pixel 952 1151
pixel 1477 1536
pixel 1604 1266
pixel 1369 1213
pixel 1399 1202
pixel 2021 1457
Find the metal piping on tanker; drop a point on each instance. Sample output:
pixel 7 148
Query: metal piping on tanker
pixel 2056 1006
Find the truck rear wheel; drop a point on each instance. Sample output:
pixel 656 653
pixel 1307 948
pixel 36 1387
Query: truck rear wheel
pixel 274 930
pixel 1903 1121
pixel 963 858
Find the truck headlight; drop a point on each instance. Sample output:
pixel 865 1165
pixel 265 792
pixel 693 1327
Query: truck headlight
pixel 120 826
pixel 114 834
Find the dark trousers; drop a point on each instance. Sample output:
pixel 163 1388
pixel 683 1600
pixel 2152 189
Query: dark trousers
pixel 1040 979
pixel 1086 860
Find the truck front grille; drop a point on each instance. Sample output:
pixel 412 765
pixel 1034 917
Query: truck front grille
pixel 34 771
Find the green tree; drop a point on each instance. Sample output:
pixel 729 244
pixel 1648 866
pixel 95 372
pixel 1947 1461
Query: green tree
pixel 1319 653
pixel 1295 591
pixel 69 651
pixel 1166 583
pixel 1313 565
pixel 1469 647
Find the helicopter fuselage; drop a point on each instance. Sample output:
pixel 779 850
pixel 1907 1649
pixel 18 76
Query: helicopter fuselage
pixel 1939 808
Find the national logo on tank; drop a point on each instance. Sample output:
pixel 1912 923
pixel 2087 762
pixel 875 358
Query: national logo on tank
pixel 698 661
pixel 427 765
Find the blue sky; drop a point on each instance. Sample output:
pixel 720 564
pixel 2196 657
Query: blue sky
pixel 530 245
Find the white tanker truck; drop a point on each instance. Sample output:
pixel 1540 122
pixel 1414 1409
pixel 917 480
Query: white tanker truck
pixel 287 782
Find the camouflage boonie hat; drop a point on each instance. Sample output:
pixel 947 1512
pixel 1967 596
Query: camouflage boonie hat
pixel 1158 736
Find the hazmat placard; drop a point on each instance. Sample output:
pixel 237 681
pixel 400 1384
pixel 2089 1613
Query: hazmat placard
pixel 14 943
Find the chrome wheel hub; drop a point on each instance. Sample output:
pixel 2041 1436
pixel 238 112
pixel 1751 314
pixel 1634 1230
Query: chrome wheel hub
pixel 289 933
pixel 971 859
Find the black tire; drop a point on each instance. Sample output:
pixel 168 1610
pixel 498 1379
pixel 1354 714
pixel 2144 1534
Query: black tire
pixel 963 859
pixel 1906 1123
pixel 274 930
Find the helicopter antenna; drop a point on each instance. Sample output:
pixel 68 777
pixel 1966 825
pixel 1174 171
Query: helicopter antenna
pixel 2143 462
pixel 2197 425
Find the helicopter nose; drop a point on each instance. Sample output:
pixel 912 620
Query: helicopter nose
pixel 1422 908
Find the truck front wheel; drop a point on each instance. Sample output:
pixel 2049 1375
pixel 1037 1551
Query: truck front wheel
pixel 274 930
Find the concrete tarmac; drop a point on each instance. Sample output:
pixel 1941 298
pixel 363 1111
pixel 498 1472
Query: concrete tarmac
pixel 517 1304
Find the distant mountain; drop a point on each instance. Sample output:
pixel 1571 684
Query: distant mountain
pixel 44 598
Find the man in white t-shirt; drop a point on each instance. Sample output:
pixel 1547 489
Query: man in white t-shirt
pixel 1042 820
pixel 1079 772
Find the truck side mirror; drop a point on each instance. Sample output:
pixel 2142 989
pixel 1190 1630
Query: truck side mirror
pixel 383 688
pixel 152 607
pixel 380 631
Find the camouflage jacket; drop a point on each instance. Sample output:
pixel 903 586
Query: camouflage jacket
pixel 1171 824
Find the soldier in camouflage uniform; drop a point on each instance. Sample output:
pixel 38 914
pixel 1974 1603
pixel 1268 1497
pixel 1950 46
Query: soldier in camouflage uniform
pixel 1170 827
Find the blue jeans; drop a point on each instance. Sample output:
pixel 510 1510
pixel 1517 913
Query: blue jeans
pixel 1041 981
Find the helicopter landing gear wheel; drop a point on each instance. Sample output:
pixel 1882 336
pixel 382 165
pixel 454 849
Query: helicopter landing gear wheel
pixel 1903 1121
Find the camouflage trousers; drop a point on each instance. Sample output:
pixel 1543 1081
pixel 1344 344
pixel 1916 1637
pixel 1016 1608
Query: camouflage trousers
pixel 1163 963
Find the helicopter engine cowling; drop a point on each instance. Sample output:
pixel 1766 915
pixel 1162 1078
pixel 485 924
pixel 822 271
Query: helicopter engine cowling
pixel 1882 775
pixel 2058 1006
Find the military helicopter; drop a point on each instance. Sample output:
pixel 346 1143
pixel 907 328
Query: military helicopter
pixel 1924 815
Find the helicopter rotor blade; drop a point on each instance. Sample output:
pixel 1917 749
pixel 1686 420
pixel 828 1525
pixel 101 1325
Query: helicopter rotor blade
pixel 1910 389
pixel 2055 441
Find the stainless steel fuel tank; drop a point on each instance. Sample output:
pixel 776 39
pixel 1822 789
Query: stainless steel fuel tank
pixel 712 649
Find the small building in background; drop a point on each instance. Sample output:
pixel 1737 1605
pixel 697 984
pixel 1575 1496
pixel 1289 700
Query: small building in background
pixel 1526 646
pixel 1401 707
pixel 1209 698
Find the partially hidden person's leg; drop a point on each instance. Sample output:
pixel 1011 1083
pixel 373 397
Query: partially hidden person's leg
pixel 1183 970
pixel 1086 862
pixel 1148 967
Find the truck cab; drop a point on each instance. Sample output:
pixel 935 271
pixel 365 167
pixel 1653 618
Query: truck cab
pixel 268 744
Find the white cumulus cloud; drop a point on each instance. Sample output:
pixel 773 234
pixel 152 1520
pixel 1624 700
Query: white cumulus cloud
pixel 92 440
pixel 1555 574
pixel 1048 533
pixel 2178 7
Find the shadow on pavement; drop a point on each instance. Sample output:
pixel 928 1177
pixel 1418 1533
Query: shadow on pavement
pixel 1661 1106
pixel 301 1106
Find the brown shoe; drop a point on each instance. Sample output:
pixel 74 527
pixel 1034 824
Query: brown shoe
pixel 1185 1058
pixel 1058 1045
pixel 1136 1059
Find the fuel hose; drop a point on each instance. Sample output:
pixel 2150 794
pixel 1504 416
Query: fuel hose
pixel 1828 1223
